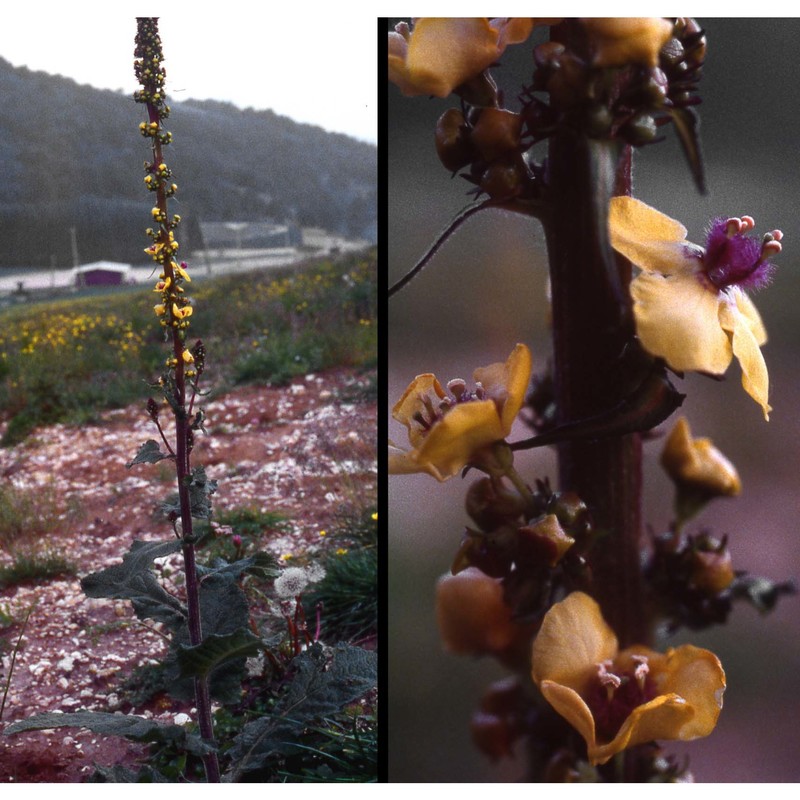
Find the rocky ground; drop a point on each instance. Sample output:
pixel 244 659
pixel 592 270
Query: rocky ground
pixel 306 451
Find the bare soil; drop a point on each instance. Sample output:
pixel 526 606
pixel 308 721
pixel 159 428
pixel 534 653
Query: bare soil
pixel 304 451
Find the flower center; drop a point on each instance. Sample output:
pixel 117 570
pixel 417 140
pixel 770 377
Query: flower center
pixel 614 695
pixel 732 258
pixel 435 409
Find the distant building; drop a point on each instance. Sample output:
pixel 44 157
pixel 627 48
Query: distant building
pixel 103 273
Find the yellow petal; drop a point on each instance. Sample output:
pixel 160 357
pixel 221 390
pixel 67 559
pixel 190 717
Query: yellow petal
pixel 647 238
pixel 697 676
pixel 573 640
pixel 570 705
pixel 698 463
pixel 411 404
pixel 507 383
pixel 442 53
pixel 402 462
pixel 662 718
pixel 454 440
pixel 755 378
pixel 677 318
pixel 750 313
pixel 515 30
pixel 619 41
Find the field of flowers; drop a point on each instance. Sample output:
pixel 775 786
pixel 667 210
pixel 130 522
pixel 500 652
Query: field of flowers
pixel 65 360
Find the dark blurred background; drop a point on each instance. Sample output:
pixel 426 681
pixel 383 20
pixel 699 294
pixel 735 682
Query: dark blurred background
pixel 485 291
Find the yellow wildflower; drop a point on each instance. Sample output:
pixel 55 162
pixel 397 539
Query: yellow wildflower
pixel 689 302
pixel 448 430
pixel 178 268
pixel 181 313
pixel 617 700
pixel 440 54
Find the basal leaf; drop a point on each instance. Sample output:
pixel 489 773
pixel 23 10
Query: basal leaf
pixel 138 729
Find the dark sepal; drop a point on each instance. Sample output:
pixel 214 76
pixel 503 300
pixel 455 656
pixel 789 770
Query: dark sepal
pixel 687 124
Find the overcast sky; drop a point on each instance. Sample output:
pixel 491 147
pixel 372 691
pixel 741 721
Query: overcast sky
pixel 317 67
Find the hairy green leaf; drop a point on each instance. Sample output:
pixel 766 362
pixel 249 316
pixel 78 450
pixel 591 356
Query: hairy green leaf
pixel 148 453
pixel 200 491
pixel 134 580
pixel 138 729
pixel 261 565
pixel 223 611
pixel 216 650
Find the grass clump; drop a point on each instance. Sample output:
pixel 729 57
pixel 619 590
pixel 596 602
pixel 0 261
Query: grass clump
pixel 31 566
pixel 28 519
pixel 347 594
pixel 342 750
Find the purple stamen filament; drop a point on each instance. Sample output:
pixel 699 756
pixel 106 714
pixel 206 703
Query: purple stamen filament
pixel 732 258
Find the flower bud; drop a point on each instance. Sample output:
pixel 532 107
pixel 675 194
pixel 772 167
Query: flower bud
pixel 492 735
pixel 490 505
pixel 570 509
pixel 545 540
pixel 697 464
pixel 496 133
pixel 497 724
pixel 640 130
pixel 452 140
pixel 502 181
pixel 712 569
pixel 473 618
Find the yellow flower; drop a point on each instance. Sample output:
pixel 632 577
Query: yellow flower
pixel 188 358
pixel 181 313
pixel 617 700
pixel 689 302
pixel 442 53
pixel 178 268
pixel 696 463
pixel 448 430
pixel 627 40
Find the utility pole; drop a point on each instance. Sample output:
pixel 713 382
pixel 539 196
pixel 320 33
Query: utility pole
pixel 73 234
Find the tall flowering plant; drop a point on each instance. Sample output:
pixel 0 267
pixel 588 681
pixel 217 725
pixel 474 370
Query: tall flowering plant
pixel 218 648
pixel 556 579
